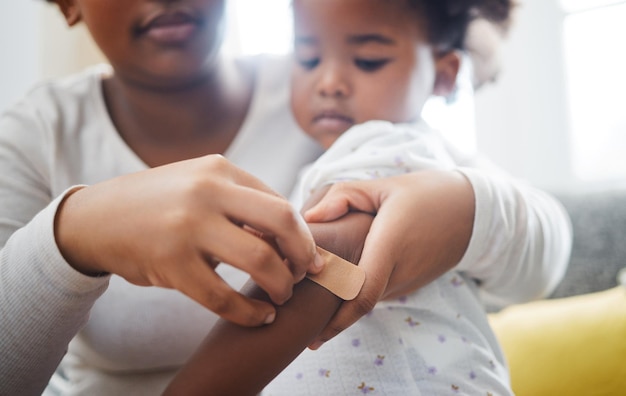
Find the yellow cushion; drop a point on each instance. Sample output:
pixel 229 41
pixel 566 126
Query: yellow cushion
pixel 570 346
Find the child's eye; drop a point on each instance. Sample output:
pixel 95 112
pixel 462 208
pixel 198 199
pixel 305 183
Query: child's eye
pixel 370 65
pixel 310 63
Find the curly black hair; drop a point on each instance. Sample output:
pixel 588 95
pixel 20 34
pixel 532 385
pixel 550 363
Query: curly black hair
pixel 447 20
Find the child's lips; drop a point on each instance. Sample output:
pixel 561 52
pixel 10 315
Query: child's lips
pixel 169 28
pixel 332 117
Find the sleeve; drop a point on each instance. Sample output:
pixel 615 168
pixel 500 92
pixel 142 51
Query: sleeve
pixel 43 300
pixel 521 240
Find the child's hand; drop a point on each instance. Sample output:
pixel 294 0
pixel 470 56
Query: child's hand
pixel 422 228
pixel 170 226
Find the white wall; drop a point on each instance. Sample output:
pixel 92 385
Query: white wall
pixel 19 57
pixel 522 120
pixel 36 44
pixel 65 50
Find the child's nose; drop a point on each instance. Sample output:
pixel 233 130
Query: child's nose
pixel 333 83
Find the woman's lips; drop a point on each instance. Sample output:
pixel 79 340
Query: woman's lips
pixel 169 28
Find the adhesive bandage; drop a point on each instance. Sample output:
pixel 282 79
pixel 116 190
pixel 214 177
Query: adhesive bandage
pixel 340 277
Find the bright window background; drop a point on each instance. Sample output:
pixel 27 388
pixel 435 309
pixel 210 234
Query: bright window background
pixel 556 115
pixel 570 6
pixel 255 27
pixel 595 58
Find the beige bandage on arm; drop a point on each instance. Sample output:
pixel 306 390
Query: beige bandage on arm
pixel 340 277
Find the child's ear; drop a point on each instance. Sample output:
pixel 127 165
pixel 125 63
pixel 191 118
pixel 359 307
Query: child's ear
pixel 446 69
pixel 70 10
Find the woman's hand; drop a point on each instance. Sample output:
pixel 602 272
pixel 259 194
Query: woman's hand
pixel 422 227
pixel 170 226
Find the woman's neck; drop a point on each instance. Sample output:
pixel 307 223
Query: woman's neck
pixel 164 125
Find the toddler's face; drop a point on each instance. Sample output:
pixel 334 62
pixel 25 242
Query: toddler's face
pixel 355 61
pixel 154 41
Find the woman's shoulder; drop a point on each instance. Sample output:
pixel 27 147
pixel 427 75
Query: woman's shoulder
pixel 54 113
pixel 269 106
pixel 67 90
pixel 271 71
pixel 63 96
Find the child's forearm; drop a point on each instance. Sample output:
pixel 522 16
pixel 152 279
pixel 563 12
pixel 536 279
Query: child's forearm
pixel 235 360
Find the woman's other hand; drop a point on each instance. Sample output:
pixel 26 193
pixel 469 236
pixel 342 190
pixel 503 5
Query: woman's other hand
pixel 170 226
pixel 422 227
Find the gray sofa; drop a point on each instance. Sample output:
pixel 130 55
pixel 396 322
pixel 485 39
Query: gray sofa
pixel 599 247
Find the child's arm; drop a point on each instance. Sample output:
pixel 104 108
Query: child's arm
pixel 236 360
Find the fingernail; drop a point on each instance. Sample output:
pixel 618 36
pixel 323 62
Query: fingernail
pixel 315 345
pixel 319 261
pixel 301 277
pixel 270 318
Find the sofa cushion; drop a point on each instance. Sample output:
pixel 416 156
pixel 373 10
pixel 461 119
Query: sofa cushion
pixel 567 346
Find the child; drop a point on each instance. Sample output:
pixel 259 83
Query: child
pixel 356 61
